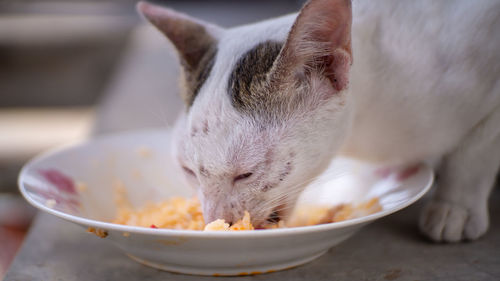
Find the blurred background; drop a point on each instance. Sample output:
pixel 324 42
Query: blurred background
pixel 72 69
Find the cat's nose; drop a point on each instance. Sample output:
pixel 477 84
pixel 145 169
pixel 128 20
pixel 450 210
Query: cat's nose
pixel 217 211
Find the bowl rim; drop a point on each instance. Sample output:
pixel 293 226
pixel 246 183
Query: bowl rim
pixel 197 233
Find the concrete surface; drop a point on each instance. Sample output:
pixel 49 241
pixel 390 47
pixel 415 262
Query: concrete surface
pixel 15 218
pixel 389 249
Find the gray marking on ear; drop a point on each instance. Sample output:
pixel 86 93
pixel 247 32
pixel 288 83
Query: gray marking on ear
pixel 196 76
pixel 247 83
pixel 194 40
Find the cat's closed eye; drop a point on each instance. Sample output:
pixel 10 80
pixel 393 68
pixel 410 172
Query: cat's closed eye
pixel 188 171
pixel 242 177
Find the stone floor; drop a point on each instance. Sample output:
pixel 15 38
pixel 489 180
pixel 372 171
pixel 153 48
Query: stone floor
pixel 11 241
pixel 389 249
pixel 15 219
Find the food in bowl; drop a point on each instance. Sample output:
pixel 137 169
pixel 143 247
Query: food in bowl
pixel 185 213
pixel 221 225
pixel 319 214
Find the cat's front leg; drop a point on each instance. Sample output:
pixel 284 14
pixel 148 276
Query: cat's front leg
pixel 459 207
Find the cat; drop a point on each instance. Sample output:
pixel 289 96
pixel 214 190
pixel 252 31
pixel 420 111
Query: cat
pixel 395 82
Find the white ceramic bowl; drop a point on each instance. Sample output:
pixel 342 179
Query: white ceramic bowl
pixel 52 182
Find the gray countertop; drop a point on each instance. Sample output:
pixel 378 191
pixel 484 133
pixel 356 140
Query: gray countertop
pixel 389 249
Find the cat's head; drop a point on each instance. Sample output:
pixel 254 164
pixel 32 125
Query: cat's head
pixel 266 105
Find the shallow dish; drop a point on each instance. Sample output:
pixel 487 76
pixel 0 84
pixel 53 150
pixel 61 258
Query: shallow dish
pixel 75 183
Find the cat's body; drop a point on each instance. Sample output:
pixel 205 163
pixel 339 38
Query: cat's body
pixel 424 75
pixel 412 76
pixel 423 86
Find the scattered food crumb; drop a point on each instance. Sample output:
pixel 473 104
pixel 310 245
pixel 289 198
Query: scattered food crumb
pixel 137 174
pixel 81 186
pixel 50 203
pixel 98 232
pixel 126 234
pixel 392 274
pixel 144 152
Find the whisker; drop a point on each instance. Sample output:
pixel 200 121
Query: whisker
pixel 298 188
pixel 161 117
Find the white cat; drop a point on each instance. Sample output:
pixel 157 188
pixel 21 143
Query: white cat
pixel 397 82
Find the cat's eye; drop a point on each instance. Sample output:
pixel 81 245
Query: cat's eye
pixel 242 176
pixel 188 171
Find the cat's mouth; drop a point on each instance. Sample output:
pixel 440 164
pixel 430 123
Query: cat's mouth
pixel 276 215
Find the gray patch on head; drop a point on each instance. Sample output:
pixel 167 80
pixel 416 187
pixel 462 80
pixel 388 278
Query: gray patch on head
pixel 196 76
pixel 247 83
pixel 203 171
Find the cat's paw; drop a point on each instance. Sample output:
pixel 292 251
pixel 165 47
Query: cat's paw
pixel 448 222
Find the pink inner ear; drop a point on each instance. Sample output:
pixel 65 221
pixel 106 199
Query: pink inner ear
pixel 336 29
pixel 321 37
pixel 338 69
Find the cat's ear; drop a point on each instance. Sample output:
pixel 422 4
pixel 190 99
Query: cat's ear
pixel 191 37
pixel 320 40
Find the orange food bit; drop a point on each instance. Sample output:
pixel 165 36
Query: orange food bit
pixel 186 213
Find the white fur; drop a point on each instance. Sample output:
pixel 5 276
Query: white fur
pixel 235 144
pixel 424 85
pixel 421 80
